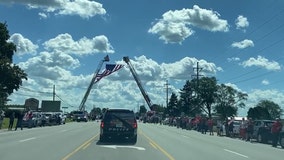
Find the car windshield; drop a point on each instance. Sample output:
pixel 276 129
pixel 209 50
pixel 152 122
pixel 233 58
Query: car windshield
pixel 168 76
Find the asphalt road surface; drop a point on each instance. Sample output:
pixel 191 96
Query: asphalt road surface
pixel 80 141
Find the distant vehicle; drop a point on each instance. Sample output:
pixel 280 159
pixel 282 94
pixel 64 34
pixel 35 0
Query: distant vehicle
pixel 236 129
pixel 262 130
pixel 80 116
pixel 119 124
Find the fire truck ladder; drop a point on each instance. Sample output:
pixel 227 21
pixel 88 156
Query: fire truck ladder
pixel 145 95
pixel 93 81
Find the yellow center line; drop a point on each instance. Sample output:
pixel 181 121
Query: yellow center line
pixel 156 146
pixel 153 145
pixel 84 146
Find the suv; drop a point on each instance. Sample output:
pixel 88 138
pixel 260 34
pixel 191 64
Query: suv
pixel 119 123
pixel 80 116
pixel 262 130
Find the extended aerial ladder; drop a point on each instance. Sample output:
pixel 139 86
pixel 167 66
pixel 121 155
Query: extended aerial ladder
pixel 145 95
pixel 93 81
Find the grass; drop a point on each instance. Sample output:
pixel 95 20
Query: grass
pixel 5 123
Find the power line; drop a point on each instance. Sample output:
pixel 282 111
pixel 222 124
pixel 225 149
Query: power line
pixel 64 101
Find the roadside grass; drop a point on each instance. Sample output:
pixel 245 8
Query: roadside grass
pixel 5 123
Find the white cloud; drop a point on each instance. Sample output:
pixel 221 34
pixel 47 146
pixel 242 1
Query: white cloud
pixel 257 95
pixel 183 69
pixel 50 65
pixel 117 89
pixel 241 22
pixel 243 44
pixel 262 62
pixel 43 15
pixel 84 46
pixel 265 82
pixel 174 26
pixel 233 59
pixel 24 45
pixel 171 32
pixel 83 8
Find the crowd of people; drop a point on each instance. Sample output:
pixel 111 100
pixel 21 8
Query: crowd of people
pixel 203 125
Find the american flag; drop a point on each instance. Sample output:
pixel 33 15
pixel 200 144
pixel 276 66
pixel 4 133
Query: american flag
pixel 110 68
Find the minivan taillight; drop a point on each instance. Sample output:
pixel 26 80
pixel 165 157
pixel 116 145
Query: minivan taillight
pixel 102 124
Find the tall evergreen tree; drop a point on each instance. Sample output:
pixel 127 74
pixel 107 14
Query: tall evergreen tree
pixel 188 99
pixel 173 108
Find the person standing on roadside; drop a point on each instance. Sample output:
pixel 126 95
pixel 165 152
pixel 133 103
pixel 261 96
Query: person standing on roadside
pixel 275 130
pixel 210 124
pixel 243 129
pixel 20 120
pixel 11 122
pixel 2 115
pixel 249 130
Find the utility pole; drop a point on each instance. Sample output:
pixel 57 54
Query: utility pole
pixel 53 92
pixel 167 93
pixel 198 69
pixel 197 75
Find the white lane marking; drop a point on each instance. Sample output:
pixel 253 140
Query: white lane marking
pixel 236 153
pixel 132 147
pixel 28 139
pixel 185 136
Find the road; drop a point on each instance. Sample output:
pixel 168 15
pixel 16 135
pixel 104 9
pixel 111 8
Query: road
pixel 74 141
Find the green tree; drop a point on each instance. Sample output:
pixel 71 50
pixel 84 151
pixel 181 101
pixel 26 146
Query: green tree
pixel 96 111
pixel 206 89
pixel 142 110
pixel 228 100
pixel 11 74
pixel 258 113
pixel 188 100
pixel 266 110
pixel 173 108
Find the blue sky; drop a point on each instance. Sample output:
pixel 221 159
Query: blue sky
pixel 61 42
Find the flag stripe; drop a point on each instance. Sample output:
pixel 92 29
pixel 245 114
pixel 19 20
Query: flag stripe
pixel 110 68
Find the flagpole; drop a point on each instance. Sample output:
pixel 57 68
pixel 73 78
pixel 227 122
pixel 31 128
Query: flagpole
pixel 82 104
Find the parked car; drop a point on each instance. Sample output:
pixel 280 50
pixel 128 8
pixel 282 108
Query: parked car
pixel 32 119
pixel 262 130
pixel 236 129
pixel 50 119
pixel 118 124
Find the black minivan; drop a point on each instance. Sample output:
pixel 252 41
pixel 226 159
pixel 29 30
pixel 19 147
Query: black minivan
pixel 119 124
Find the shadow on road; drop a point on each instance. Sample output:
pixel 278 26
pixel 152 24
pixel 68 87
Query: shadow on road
pixel 115 142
